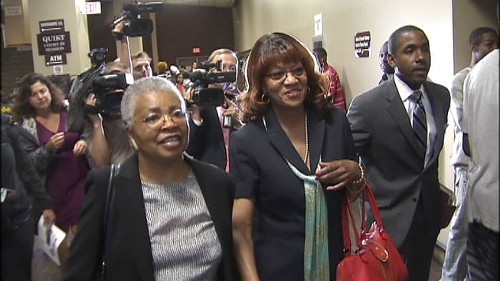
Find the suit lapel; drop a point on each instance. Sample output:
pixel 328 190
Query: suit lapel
pixel 439 119
pixel 130 204
pixel 279 140
pixel 399 115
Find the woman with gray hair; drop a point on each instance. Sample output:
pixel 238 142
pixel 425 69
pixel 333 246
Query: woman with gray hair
pixel 170 216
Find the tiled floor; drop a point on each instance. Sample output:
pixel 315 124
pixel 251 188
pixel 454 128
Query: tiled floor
pixel 45 270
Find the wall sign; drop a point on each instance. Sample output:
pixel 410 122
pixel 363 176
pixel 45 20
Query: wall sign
pixel 12 11
pixel 57 70
pixel 51 25
pixel 318 24
pixel 49 43
pixel 362 44
pixel 54 59
pixel 53 42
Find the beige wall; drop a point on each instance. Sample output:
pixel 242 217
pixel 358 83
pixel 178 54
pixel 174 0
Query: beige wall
pixel 342 19
pixel 74 22
pixel 468 15
pixel 447 24
pixel 17 36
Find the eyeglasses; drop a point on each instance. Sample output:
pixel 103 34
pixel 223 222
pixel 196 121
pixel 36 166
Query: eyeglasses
pixel 155 121
pixel 297 72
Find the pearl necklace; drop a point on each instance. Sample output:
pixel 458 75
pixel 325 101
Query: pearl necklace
pixel 306 156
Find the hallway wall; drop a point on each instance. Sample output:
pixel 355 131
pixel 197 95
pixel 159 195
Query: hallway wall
pixel 447 24
pixel 342 19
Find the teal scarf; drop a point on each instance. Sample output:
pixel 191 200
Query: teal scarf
pixel 316 259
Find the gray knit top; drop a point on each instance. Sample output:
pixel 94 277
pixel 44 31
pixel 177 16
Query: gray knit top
pixel 184 243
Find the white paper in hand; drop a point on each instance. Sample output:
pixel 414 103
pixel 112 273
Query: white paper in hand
pixel 50 240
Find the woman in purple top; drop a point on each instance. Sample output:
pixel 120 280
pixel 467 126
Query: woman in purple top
pixel 58 154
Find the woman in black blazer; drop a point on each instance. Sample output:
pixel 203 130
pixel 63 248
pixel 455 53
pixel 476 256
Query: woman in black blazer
pixel 170 217
pixel 292 162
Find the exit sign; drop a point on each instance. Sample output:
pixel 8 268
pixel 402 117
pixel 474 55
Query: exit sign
pixel 196 50
pixel 90 8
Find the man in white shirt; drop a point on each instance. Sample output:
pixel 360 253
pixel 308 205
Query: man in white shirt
pixel 481 144
pixel 482 41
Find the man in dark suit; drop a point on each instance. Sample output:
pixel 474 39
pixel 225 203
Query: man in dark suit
pixel 399 134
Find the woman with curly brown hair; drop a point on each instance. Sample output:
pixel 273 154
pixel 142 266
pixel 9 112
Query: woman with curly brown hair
pixel 293 162
pixel 59 155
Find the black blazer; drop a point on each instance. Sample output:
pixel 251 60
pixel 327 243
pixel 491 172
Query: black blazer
pixel 206 142
pixel 129 254
pixel 261 173
pixel 386 143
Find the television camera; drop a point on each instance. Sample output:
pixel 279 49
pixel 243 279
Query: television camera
pixel 133 25
pixel 108 88
pixel 202 77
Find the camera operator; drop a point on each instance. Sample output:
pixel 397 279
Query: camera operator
pixel 209 134
pixel 140 63
pixel 108 141
pixel 107 138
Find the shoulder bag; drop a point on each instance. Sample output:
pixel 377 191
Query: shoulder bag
pixel 107 211
pixel 377 258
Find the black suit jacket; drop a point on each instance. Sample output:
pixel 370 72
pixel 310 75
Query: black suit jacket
pixel 261 173
pixel 129 254
pixel 206 142
pixel 386 143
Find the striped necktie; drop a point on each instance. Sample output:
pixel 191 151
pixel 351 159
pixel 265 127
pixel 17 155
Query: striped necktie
pixel 419 120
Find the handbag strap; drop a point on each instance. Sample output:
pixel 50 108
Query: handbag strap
pixel 348 221
pixel 110 194
pixel 347 216
pixel 373 206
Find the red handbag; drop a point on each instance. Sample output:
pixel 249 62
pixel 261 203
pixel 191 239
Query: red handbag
pixel 377 258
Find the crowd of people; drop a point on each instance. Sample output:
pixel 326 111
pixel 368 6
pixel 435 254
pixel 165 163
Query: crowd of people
pixel 249 185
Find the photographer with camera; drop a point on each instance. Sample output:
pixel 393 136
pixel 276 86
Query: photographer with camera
pixel 140 63
pixel 108 142
pixel 129 24
pixel 212 123
pixel 101 95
